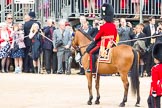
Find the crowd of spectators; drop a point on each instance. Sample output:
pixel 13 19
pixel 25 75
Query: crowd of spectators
pixel 127 31
pixel 21 45
pixel 121 7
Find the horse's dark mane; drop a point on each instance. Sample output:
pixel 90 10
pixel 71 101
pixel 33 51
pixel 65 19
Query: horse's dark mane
pixel 86 35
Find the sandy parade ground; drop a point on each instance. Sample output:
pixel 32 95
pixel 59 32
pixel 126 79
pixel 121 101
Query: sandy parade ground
pixel 28 90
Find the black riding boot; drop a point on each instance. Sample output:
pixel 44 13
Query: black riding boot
pixel 36 69
pixel 93 63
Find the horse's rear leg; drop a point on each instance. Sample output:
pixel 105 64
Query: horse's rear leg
pixel 97 90
pixel 126 86
pixel 89 78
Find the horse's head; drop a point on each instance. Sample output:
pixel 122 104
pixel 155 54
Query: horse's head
pixel 80 41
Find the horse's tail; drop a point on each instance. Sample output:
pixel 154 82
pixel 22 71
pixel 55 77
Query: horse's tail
pixel 135 73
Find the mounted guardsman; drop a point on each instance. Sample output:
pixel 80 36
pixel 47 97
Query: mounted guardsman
pixel 156 74
pixel 122 58
pixel 104 37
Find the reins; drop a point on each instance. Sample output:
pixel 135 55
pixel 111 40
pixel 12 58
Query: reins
pixel 83 46
pixel 79 47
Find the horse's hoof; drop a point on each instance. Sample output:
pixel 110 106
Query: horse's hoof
pixel 137 105
pixel 97 102
pixel 89 103
pixel 122 105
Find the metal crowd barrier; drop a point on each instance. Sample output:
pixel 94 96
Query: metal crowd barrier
pixel 74 8
pixel 19 10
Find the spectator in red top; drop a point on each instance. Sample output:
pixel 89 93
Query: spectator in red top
pixel 5 47
pixel 156 73
pixel 9 23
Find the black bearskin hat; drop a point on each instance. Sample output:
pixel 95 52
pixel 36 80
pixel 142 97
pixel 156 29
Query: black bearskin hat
pixel 157 51
pixel 107 12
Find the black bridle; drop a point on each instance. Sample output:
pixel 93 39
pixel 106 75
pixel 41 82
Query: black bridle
pixel 87 36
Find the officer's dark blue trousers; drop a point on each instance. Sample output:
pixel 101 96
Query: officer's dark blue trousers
pixel 92 55
pixel 154 102
pixel 28 61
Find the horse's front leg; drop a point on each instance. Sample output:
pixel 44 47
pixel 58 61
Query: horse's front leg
pixel 89 78
pixel 126 86
pixel 97 90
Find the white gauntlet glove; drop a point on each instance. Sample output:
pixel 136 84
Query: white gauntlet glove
pixel 154 94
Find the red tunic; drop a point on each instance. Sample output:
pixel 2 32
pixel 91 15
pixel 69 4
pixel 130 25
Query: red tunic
pixel 108 29
pixel 156 73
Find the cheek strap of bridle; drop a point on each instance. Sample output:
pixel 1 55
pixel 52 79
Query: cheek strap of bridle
pixel 78 51
pixel 80 64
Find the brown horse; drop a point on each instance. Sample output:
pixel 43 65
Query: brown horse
pixel 124 59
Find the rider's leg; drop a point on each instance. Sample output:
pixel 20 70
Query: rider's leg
pixel 93 63
pixel 93 58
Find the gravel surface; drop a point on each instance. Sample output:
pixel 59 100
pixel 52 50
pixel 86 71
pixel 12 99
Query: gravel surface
pixel 63 91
